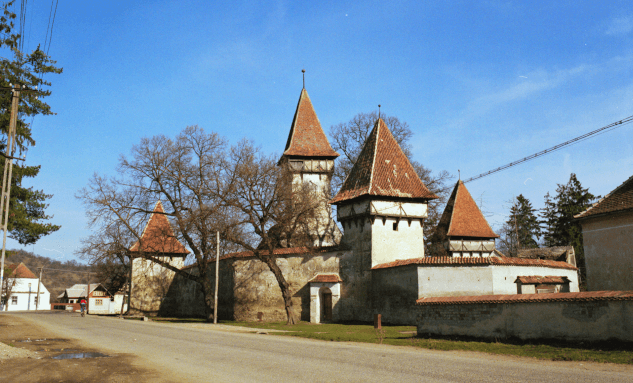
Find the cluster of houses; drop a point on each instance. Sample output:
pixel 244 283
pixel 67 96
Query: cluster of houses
pixel 25 295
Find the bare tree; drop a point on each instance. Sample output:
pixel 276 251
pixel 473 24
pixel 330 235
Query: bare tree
pixel 180 173
pixel 205 187
pixel 8 283
pixel 348 139
pixel 269 211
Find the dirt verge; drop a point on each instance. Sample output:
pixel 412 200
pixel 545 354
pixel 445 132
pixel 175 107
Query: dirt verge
pixel 27 352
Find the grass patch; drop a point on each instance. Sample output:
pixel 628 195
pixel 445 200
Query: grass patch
pixel 179 320
pixel 601 352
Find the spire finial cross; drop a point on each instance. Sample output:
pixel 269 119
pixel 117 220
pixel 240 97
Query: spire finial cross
pixel 378 110
pixel 304 78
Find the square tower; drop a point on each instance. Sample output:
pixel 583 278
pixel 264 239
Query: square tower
pixel 383 203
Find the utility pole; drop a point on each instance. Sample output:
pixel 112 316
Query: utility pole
pixel 217 276
pixel 6 179
pixel 39 282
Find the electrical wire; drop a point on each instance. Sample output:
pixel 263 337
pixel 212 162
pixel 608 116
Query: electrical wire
pixel 586 136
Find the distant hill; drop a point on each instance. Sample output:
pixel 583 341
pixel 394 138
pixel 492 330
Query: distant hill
pixel 57 276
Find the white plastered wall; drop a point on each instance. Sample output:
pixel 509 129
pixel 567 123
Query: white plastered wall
pixel 315 300
pixel 442 281
pixel 21 291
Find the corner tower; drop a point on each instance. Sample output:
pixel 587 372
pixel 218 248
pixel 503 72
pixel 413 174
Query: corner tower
pixel 463 230
pixel 309 158
pixel 383 202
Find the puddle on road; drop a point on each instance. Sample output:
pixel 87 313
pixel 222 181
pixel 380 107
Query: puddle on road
pixel 80 355
pixel 40 340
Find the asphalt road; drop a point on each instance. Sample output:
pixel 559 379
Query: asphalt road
pixel 202 353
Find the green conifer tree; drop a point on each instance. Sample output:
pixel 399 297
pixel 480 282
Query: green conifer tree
pixel 27 222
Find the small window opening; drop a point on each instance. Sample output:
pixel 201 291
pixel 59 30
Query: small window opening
pixel 395 226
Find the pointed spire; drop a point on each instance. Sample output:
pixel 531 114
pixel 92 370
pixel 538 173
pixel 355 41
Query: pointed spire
pixel 158 236
pixel 306 138
pixel 462 217
pixel 382 169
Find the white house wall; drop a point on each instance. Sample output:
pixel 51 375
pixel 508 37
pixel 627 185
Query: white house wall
pixel 608 244
pixel 21 291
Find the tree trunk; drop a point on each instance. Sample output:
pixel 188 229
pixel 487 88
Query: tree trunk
pixel 285 290
pixel 209 295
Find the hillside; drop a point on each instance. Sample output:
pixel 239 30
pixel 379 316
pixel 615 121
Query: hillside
pixel 57 276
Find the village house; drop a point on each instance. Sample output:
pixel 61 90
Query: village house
pixel 607 230
pixel 378 264
pixel 23 287
pixel 100 300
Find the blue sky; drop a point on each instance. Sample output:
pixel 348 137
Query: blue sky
pixel 481 84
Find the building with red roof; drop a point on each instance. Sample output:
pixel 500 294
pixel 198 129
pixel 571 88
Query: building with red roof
pixel 463 230
pixel 150 280
pixel 607 230
pixel 309 159
pixel 378 264
pixel 20 290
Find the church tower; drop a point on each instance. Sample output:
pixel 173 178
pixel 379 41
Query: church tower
pixel 382 203
pixel 463 230
pixel 309 158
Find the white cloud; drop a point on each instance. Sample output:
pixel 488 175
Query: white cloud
pixel 620 26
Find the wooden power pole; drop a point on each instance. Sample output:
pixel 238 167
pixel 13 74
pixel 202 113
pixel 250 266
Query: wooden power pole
pixel 217 276
pixel 6 179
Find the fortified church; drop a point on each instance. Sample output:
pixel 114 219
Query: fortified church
pixel 377 264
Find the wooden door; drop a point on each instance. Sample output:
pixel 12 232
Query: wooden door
pixel 326 306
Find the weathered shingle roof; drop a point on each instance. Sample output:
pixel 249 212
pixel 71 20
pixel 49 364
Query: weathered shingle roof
pixel 462 217
pixel 158 236
pixel 584 296
pixel 19 270
pixel 306 138
pixel 552 253
pixel 621 198
pixel 537 279
pixel 382 169
pixel 476 261
pixel 326 278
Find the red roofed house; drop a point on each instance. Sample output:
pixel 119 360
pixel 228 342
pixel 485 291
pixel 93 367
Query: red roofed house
pixel 607 230
pixel 150 280
pixel 378 265
pixel 21 284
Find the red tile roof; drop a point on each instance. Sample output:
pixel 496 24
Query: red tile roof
pixel 537 279
pixel 19 270
pixel 158 235
pixel 326 278
pixel 301 250
pixel 462 217
pixel 585 296
pixel 306 138
pixel 476 261
pixel 382 169
pixel 621 198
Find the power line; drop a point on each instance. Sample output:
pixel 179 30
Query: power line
pixel 52 25
pixel 604 129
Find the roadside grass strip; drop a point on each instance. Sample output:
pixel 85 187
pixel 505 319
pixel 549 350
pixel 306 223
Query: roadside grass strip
pixel 600 352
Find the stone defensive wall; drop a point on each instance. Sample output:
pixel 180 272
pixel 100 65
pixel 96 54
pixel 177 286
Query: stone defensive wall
pixel 581 316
